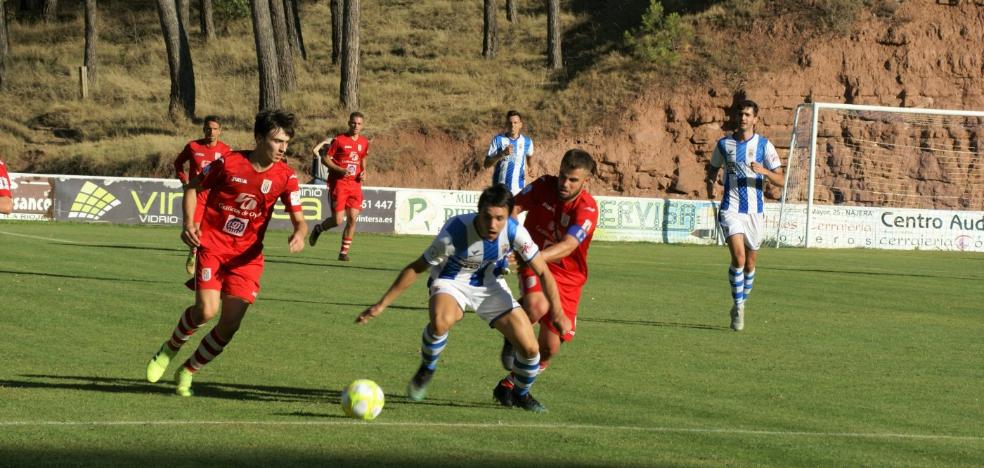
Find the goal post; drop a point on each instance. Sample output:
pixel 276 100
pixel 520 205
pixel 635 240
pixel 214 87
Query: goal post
pixel 883 177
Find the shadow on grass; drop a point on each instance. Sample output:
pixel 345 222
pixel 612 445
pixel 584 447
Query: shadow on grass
pixel 652 323
pixel 874 273
pixel 369 455
pixel 97 278
pixel 333 264
pixel 206 389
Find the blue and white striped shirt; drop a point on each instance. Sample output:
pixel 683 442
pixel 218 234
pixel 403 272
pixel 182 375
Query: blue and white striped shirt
pixel 460 254
pixel 511 170
pixel 742 186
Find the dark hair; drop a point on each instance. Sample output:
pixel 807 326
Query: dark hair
pixel 268 120
pixel 496 195
pixel 513 113
pixel 745 104
pixel 211 118
pixel 578 159
pixel 356 114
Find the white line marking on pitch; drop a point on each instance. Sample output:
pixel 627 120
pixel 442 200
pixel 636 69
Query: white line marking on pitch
pixel 850 435
pixel 72 242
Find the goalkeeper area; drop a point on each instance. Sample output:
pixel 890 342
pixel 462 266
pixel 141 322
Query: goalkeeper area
pixel 848 358
pixel 884 177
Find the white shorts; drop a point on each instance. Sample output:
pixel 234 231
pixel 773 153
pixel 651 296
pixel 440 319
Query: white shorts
pixel 489 302
pixel 750 225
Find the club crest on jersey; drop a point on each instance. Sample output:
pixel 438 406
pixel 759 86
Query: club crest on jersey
pixel 235 226
pixel 265 186
pixel 360 146
pixel 206 274
pixel 565 219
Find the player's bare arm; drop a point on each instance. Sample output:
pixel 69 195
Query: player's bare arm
pixel 404 280
pixel 712 176
pixel 295 243
pixel 317 148
pixel 558 251
pixel 775 177
pixel 191 232
pixel 557 317
pixel 332 166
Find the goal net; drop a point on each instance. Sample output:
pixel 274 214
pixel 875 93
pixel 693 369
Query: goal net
pixel 883 177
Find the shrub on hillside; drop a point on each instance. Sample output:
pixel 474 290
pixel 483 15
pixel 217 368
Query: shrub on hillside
pixel 660 38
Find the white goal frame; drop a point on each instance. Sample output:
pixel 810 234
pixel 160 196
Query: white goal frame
pixel 814 111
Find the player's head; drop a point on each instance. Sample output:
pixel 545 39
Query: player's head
pixel 747 114
pixel 495 205
pixel 576 169
pixel 514 123
pixel 211 128
pixel 272 130
pixel 355 123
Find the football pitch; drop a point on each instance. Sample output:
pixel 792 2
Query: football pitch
pixel 848 358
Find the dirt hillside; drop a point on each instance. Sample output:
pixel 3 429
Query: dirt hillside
pixel 928 54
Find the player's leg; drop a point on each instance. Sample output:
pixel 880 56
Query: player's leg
pixel 206 306
pixel 753 240
pixel 233 311
pixel 445 310
pixel 516 327
pixel 330 221
pixel 536 306
pixel 736 275
pixel 353 205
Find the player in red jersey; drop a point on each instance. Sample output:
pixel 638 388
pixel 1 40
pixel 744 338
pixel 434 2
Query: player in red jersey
pixel 243 190
pixel 6 198
pixel 198 154
pixel 346 161
pixel 561 217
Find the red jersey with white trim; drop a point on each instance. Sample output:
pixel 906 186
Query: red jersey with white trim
pixel 549 219
pixel 349 153
pixel 240 202
pixel 4 181
pixel 199 155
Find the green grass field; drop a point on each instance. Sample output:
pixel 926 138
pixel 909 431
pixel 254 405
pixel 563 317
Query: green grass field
pixel 848 358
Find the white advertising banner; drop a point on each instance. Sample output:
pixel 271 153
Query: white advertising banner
pixel 878 228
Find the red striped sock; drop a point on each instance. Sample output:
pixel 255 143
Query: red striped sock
pixel 182 331
pixel 210 347
pixel 346 244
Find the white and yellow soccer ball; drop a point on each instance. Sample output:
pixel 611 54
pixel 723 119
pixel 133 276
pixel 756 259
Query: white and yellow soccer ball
pixel 363 399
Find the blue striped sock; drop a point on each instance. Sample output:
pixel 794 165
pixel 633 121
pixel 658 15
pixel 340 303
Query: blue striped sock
pixel 749 282
pixel 431 347
pixel 524 373
pixel 737 278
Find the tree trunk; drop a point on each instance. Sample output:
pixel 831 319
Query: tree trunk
pixel 285 58
pixel 491 40
pixel 266 52
pixel 554 58
pixel 182 103
pixel 208 26
pixel 292 10
pixel 4 45
pixel 336 30
pixel 349 84
pixel 511 14
pixel 91 36
pixel 184 13
pixel 49 11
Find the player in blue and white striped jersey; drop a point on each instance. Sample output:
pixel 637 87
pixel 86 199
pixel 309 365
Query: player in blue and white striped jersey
pixel 750 159
pixel 510 152
pixel 464 261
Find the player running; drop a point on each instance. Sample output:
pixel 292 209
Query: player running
pixel 463 261
pixel 561 217
pixel 750 159
pixel 346 161
pixel 509 152
pixel 6 198
pixel 243 190
pixel 198 154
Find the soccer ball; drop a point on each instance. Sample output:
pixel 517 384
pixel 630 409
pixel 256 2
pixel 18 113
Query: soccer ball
pixel 362 399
